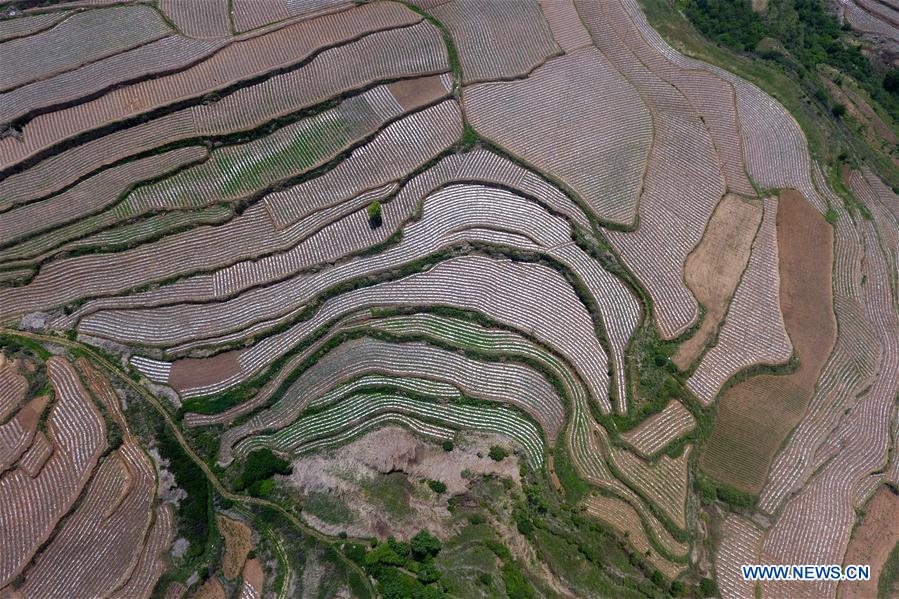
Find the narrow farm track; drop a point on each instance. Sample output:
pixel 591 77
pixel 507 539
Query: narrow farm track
pixel 173 427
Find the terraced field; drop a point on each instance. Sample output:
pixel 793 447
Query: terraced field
pixel 637 334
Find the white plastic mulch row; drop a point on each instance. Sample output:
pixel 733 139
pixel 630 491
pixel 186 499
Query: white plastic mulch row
pixel 111 521
pixel 497 38
pixel 81 38
pixel 88 197
pixel 657 431
pixel 239 61
pixel 240 170
pixel 357 408
pixel 32 506
pixel 577 119
pixel 508 383
pixel 859 445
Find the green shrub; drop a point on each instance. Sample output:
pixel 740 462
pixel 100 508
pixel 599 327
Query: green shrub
pixel 437 486
pixel 708 587
pixel 425 545
pixel 448 445
pixel 517 586
pixel 498 453
pixel 374 214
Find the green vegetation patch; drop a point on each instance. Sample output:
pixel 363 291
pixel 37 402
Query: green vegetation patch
pixel 259 468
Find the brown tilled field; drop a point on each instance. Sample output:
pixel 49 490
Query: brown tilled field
pixel 238 542
pixel 872 542
pixel 756 415
pixel 713 269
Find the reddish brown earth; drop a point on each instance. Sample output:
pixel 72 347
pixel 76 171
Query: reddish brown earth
pixel 756 415
pixel 414 93
pixel 872 542
pixel 197 372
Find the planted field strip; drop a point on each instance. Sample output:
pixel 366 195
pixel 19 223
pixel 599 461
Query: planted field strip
pixel 753 330
pixel 88 197
pixel 862 20
pixel 405 52
pixel 99 544
pixel 484 32
pixel 357 408
pixel 681 186
pixel 17 434
pixel 149 228
pixel 475 166
pixel 663 482
pixel 774 147
pixel 659 430
pixel 482 206
pixel 740 544
pixel 756 415
pixel 507 383
pixel 713 269
pixel 202 19
pixel 447 215
pixel 397 150
pixel 150 564
pixel 29 24
pixel 622 517
pixel 13 387
pixel 155 370
pixel 575 118
pixel 37 455
pixel 850 369
pixel 63 169
pixel 103 391
pixel 389 54
pixel 858 446
pixel 493 287
pixel 253 580
pixel 711 97
pixel 848 248
pixel 239 61
pixel 34 505
pixel 237 171
pixel 164 55
pixel 565 25
pixel 82 38
pixel 251 14
pixel 884 205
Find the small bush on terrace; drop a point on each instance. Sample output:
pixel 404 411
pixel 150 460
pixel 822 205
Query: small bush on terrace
pixel 437 486
pixel 374 214
pixel 448 445
pixel 498 453
pixel 425 545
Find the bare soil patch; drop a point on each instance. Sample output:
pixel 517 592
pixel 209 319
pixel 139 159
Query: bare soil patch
pixel 238 542
pixel 872 542
pixel 211 589
pixel 713 269
pixel 414 93
pixel 362 488
pixel 197 372
pixel 253 574
pixel 756 415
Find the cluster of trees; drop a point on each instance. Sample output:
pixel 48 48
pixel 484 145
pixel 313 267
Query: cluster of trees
pixel 403 570
pixel 807 31
pixel 258 471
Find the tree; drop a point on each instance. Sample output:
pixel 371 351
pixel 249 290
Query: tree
pixel 448 445
pixel 708 587
pixel 425 545
pixel 838 110
pixel 374 214
pixel 498 453
pixel 891 81
pixel 437 486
